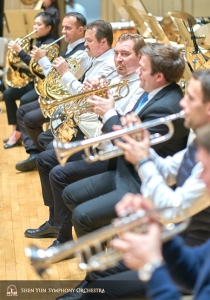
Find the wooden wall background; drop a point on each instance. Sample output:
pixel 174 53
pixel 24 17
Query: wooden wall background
pixel 198 8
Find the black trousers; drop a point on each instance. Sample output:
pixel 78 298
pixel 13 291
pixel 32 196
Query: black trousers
pixel 54 178
pixel 92 202
pixel 25 95
pixel 30 120
pixel 118 283
pixel 45 139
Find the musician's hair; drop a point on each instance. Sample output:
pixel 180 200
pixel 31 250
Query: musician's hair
pixel 165 59
pixel 138 41
pixel 204 77
pixel 203 137
pixel 47 19
pixel 103 30
pixel 81 20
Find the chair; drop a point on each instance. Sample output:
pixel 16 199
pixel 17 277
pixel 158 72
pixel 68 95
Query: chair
pixel 3 51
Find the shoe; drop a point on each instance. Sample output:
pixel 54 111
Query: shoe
pixel 6 140
pixel 44 231
pixel 54 248
pixel 74 295
pixel 28 164
pixel 18 143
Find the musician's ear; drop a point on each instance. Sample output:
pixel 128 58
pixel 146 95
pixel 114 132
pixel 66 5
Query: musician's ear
pixel 160 77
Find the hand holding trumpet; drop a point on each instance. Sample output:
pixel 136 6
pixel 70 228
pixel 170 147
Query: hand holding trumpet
pixel 135 146
pixel 138 249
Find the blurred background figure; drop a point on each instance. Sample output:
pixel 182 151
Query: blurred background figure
pixel 72 6
pixel 51 7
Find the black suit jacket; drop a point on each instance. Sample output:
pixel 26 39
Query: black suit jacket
pixel 164 103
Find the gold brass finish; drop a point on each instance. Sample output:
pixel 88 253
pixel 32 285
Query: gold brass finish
pixel 18 74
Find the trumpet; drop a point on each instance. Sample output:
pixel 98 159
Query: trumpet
pixel 64 150
pixel 101 91
pixel 91 249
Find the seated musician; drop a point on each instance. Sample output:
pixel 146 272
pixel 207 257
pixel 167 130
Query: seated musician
pixel 43 24
pixel 29 116
pixel 55 177
pixel 159 264
pixel 155 174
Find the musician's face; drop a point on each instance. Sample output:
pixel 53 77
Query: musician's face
pixel 148 82
pixel 197 112
pixel 40 27
pixel 204 157
pixel 71 30
pixel 93 46
pixel 125 58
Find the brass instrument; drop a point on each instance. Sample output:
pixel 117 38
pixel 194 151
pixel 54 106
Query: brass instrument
pixel 54 90
pixel 18 74
pixel 52 51
pixel 64 151
pixel 62 122
pixel 90 246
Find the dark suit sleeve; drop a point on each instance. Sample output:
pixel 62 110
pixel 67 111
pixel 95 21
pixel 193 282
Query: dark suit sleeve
pixel 108 126
pixel 161 287
pixel 25 57
pixel 184 263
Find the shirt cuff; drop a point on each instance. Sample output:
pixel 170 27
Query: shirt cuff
pixel 146 170
pixel 110 113
pixel 44 62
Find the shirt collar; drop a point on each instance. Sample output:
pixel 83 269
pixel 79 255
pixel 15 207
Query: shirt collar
pixel 70 47
pixel 154 92
pixel 41 39
pixel 105 55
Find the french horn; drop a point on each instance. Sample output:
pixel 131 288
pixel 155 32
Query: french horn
pixel 72 107
pixel 18 73
pixel 52 51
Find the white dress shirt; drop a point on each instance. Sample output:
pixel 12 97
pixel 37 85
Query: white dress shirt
pixel 101 66
pixel 126 104
pixel 81 55
pixel 160 173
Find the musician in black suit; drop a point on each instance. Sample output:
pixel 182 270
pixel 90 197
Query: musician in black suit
pixel 161 66
pixel 108 188
pixel 43 24
pixel 29 116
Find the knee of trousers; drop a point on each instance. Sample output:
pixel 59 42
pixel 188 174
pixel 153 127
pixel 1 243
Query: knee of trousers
pixel 79 218
pixel 42 160
pixel 30 118
pixel 7 94
pixel 56 175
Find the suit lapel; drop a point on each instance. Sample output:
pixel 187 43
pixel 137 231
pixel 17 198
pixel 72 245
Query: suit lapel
pixel 159 95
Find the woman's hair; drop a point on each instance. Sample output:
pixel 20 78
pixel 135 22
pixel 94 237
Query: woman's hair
pixel 54 3
pixel 47 18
